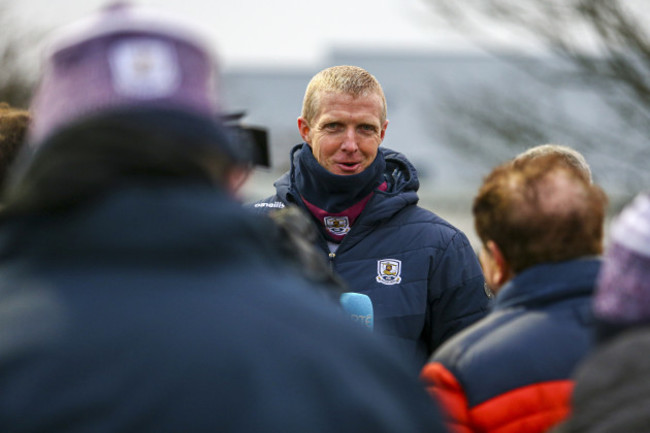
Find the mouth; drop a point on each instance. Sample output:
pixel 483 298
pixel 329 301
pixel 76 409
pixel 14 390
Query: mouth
pixel 348 167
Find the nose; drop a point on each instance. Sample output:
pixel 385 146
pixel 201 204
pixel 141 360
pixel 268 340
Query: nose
pixel 349 143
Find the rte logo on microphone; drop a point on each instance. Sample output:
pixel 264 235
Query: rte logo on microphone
pixel 359 307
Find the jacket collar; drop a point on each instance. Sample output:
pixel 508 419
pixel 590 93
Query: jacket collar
pixel 400 175
pixel 549 282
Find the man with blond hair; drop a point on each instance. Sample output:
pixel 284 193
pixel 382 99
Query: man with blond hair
pixel 420 272
pixel 540 221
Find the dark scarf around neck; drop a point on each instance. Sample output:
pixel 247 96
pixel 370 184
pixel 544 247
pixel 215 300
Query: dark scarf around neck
pixel 336 200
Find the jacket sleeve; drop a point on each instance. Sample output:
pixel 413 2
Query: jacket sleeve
pixel 449 394
pixel 266 205
pixel 457 295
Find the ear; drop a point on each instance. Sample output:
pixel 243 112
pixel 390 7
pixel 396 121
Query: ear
pixel 383 129
pixel 498 272
pixel 304 129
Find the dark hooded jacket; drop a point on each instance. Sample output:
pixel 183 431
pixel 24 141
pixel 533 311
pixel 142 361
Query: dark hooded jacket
pixel 162 308
pixel 420 272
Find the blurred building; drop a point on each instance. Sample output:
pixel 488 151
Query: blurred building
pixel 429 97
pixel 273 98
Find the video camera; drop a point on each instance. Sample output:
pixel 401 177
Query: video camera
pixel 251 141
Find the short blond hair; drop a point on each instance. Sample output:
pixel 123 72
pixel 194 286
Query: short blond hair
pixel 350 80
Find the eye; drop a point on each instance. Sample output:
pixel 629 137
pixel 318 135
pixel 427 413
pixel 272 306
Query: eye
pixel 333 126
pixel 368 128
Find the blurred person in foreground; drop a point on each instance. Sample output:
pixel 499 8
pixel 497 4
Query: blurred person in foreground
pixel 540 221
pixel 135 293
pixel 420 272
pixel 612 390
pixel 13 130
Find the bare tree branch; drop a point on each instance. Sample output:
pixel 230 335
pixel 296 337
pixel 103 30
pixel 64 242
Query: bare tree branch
pixel 604 48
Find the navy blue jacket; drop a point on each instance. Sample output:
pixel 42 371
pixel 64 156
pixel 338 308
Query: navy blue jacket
pixel 420 272
pixel 164 310
pixel 511 371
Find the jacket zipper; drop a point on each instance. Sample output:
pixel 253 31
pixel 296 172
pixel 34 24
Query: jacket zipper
pixel 331 256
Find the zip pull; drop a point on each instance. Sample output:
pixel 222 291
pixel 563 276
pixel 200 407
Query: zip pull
pixel 331 255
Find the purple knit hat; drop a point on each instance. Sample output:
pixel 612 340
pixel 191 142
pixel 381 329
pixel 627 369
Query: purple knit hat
pixel 124 56
pixel 623 291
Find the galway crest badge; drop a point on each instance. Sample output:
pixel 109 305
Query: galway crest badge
pixel 388 271
pixel 337 225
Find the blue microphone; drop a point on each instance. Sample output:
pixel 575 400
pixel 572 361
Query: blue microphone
pixel 359 307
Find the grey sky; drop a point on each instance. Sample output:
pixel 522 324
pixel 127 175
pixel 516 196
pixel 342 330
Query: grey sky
pixel 279 32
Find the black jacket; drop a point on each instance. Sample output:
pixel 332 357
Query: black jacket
pixel 612 392
pixel 164 310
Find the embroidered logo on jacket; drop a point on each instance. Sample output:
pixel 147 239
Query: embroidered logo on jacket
pixel 388 271
pixel 338 225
